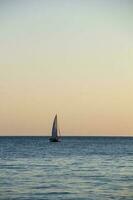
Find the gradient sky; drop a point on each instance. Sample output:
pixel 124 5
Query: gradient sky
pixel 73 58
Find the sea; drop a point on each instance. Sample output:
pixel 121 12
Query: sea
pixel 77 168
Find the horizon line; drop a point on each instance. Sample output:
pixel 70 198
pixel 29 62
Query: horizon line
pixel 67 136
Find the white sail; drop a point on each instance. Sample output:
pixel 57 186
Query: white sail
pixel 55 128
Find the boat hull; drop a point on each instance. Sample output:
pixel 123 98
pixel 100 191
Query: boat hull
pixel 54 140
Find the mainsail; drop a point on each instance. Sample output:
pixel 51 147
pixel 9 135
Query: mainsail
pixel 55 131
pixel 55 128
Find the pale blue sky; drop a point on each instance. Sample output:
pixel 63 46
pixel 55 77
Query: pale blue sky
pixel 73 58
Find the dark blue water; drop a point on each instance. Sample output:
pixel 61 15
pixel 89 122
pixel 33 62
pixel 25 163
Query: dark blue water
pixel 87 168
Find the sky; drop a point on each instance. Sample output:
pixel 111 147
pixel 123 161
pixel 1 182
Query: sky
pixel 73 58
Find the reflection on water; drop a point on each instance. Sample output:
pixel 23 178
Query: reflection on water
pixel 91 168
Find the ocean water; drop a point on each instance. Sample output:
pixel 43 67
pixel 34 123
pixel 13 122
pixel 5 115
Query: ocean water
pixel 77 168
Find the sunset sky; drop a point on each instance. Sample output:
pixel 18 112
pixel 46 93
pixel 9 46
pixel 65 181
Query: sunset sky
pixel 73 58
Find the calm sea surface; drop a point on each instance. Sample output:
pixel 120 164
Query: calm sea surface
pixel 87 168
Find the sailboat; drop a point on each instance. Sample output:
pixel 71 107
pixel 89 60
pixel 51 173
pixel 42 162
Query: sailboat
pixel 55 131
